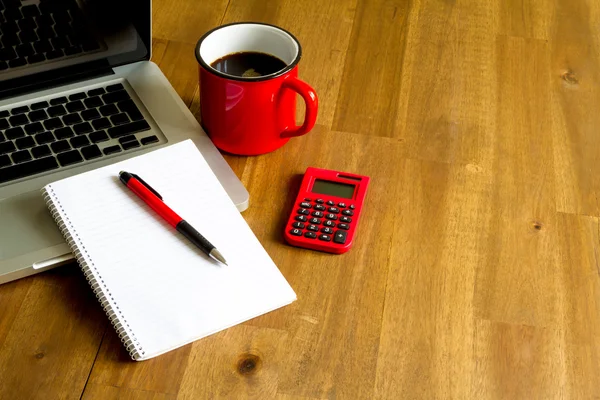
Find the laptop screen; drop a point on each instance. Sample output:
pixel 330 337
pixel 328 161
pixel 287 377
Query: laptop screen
pixel 44 43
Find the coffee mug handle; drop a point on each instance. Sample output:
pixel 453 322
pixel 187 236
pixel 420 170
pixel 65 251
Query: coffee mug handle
pixel 312 106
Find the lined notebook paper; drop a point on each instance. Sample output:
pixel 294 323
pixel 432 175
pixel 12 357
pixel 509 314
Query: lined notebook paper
pixel 160 291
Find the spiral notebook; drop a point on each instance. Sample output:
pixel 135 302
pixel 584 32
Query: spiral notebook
pixel 158 290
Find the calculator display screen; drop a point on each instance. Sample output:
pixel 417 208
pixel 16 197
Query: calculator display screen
pixel 343 190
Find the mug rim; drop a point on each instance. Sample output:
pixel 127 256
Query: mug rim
pixel 277 74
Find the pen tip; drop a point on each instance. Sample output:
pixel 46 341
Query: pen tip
pixel 216 255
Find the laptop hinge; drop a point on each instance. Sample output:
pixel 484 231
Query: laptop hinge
pixel 52 79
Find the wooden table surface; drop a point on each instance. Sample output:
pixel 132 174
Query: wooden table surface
pixel 475 273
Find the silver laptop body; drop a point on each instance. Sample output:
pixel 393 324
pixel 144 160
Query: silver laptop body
pixel 61 125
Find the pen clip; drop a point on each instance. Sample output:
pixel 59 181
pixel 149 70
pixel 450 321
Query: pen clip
pixel 143 182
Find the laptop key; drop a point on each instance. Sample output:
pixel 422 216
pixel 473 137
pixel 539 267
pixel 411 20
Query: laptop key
pixel 39 105
pixel 36 58
pixel 130 145
pixel 19 110
pixel 25 143
pixel 112 150
pixel 96 92
pixel 119 119
pixel 75 106
pixel 127 129
pixel 41 151
pixel 4 123
pixel 24 50
pixel 98 136
pixel 89 115
pixel 34 128
pixel 42 46
pixel 71 119
pixel 57 111
pixel 17 62
pixel 109 109
pixel 115 87
pixel 38 115
pixel 69 51
pixel 64 133
pixel 53 123
pixel 59 100
pixel 149 139
pixel 4 161
pixel 60 146
pixel 44 137
pixel 69 158
pixel 4 113
pixel 91 152
pixel 20 156
pixel 2 137
pixel 14 133
pixel 27 169
pixel 93 102
pixel 51 55
pixel 114 97
pixel 101 123
pixel 80 141
pixel 82 128
pixel 77 96
pixel 18 120
pixel 7 147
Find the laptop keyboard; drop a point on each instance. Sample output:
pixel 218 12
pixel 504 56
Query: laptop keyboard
pixel 34 33
pixel 69 130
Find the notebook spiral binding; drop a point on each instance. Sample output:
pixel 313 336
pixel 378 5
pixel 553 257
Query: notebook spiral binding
pixel 132 345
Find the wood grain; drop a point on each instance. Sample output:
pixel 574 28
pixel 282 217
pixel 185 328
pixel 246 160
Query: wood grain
pixel 475 273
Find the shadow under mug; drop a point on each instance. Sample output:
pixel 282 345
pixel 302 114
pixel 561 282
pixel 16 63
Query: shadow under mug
pixel 252 115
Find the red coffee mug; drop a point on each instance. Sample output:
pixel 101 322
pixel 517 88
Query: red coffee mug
pixel 252 115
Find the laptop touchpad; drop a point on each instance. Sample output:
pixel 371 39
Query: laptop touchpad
pixel 26 225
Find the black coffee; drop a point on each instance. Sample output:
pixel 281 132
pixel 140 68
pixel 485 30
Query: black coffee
pixel 248 64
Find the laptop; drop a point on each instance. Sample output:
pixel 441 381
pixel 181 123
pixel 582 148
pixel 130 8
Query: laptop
pixel 77 92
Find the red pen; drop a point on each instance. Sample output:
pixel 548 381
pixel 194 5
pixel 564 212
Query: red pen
pixel 155 201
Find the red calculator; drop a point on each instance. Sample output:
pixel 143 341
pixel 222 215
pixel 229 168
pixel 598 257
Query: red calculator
pixel 327 210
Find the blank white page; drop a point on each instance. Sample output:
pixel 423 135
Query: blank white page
pixel 164 290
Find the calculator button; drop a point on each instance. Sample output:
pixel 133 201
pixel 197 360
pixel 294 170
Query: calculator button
pixel 305 204
pixel 310 235
pixel 332 216
pixel 352 206
pixel 303 211
pixel 320 207
pixel 330 203
pixel 301 218
pixel 306 199
pixel 318 214
pixel 327 230
pixel 329 223
pixel 296 232
pixel 334 210
pixel 319 201
pixel 313 228
pixel 342 205
pixel 346 219
pixel 314 221
pixel 325 238
pixel 344 226
pixel 348 212
pixel 298 225
pixel 340 237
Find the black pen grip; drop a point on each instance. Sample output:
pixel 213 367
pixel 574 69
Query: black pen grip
pixel 194 236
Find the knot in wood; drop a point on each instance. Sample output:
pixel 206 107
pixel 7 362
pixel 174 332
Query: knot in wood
pixel 248 364
pixel 570 77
